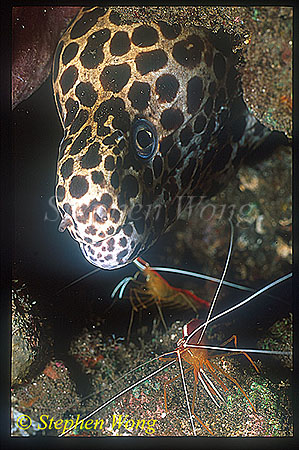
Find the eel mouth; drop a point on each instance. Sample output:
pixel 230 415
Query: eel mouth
pixel 116 251
pixel 113 251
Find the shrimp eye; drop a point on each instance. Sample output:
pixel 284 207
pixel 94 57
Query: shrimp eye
pixel 144 138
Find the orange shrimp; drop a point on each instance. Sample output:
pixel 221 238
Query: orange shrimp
pixel 157 291
pixel 197 355
pixel 199 359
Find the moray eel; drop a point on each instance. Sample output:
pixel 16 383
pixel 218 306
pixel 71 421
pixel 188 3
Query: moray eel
pixel 152 114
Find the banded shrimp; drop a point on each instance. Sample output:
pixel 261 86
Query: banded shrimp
pixel 155 290
pixel 137 403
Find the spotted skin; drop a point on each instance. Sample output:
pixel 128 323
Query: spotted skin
pixel 124 88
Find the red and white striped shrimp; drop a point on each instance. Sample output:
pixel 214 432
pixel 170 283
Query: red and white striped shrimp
pixel 155 290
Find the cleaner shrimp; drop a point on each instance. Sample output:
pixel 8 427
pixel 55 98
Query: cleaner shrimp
pixel 138 403
pixel 192 350
pixel 156 291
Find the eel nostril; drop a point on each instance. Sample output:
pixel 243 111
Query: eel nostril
pixel 65 222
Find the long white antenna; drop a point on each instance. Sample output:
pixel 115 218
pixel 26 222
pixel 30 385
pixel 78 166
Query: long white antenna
pixel 201 276
pixel 238 305
pixel 185 390
pixel 265 288
pixel 212 385
pixel 117 396
pixel 88 274
pixel 219 286
pixel 245 350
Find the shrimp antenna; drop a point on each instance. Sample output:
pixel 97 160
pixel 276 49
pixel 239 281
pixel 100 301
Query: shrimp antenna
pixel 140 263
pixel 121 286
pixel 160 269
pixel 238 305
pixel 123 376
pixel 115 397
pixel 245 350
pixel 88 274
pixel 78 279
pixel 219 285
pixel 186 393
pixel 203 277
pixel 269 286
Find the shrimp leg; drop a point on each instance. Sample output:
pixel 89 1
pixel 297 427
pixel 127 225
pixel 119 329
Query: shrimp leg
pixel 235 382
pixel 161 315
pixel 234 339
pixel 193 407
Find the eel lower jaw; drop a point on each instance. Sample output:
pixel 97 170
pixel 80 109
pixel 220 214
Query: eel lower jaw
pixel 115 251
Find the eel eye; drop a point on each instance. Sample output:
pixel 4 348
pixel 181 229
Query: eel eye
pixel 144 138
